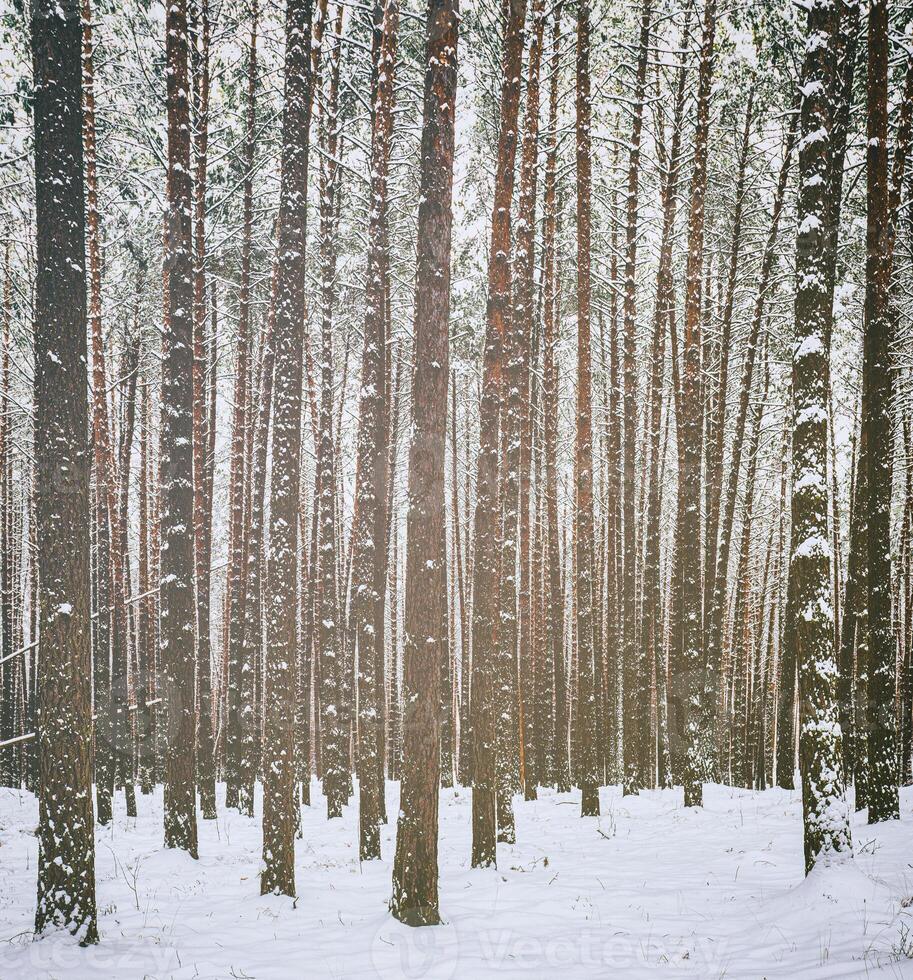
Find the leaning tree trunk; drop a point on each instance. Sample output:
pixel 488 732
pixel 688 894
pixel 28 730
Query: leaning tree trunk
pixel 415 867
pixel 66 843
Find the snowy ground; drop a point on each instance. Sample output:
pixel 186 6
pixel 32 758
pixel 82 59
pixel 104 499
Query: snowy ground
pixel 650 889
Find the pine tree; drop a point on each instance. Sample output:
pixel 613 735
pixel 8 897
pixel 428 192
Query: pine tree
pixel 11 666
pixel 101 440
pixel 558 751
pixel 281 601
pixel 202 422
pixel 488 679
pixel 415 868
pixel 178 618
pixel 635 668
pixel 368 552
pixel 237 790
pixel 698 738
pixel 584 583
pixel 826 818
pixel 877 424
pixel 719 533
pixel 330 633
pixel 66 844
pixel 527 332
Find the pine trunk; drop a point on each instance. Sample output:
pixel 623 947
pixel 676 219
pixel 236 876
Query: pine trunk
pixel 66 844
pixel 826 817
pixel 415 868
pixel 368 551
pixel 177 559
pixel 488 662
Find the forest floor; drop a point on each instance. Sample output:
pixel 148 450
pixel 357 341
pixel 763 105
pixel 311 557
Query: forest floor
pixel 648 889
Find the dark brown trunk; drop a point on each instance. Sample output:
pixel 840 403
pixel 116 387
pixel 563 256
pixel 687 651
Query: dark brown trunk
pixel 280 674
pixel 66 845
pixel 878 432
pixel 415 868
pixel 177 561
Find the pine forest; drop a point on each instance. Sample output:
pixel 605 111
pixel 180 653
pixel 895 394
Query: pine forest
pixel 456 471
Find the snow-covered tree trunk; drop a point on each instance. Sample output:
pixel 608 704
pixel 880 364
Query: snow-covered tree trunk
pixel 636 670
pixel 12 670
pixel 699 686
pixel 368 544
pixel 878 428
pixel 559 763
pixel 527 331
pixel 129 370
pixel 145 682
pixel 202 493
pixel 178 616
pixel 716 563
pixel 652 618
pixel 415 868
pixel 280 678
pixel 66 844
pixel 103 707
pixel 825 812
pixel 488 665
pixel 237 789
pixel 584 582
pixel 331 634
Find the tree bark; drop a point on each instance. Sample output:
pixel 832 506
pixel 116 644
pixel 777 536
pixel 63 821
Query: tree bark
pixel 636 697
pixel 559 768
pixel 177 561
pixel 698 684
pixel 878 433
pixel 202 495
pixel 415 868
pixel 66 843
pixel 236 794
pixel 826 817
pixel 280 678
pixel 331 632
pixel 369 555
pixel 487 664
pixel 586 655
